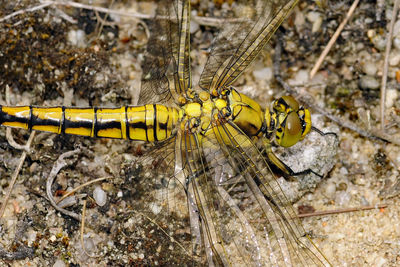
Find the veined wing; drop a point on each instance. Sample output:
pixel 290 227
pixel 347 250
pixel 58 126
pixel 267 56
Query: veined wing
pixel 285 232
pixel 244 216
pixel 221 232
pixel 239 43
pixel 161 196
pixel 166 68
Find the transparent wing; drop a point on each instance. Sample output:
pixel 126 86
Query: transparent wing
pixel 222 227
pixel 244 216
pixel 281 230
pixel 221 185
pixel 166 68
pixel 160 197
pixel 240 42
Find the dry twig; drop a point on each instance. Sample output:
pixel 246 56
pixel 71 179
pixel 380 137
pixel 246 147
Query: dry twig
pixel 83 231
pixel 81 186
pixel 338 211
pixel 27 10
pixel 386 64
pixel 16 172
pixel 26 150
pixel 21 252
pixel 205 21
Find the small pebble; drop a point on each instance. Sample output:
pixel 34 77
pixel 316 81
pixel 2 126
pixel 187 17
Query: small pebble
pixel 343 171
pixel 155 209
pixel 100 196
pixel 391 97
pixel 369 82
pixel 59 263
pixel 394 58
pixel 194 26
pixel 316 19
pixel 316 27
pixel 380 261
pixel 396 42
pixel 53 238
pixel 263 74
pixel 301 77
pixel 330 190
pixel 370 68
pixel 313 16
pixel 77 38
pixel 396 28
pixel 342 198
pixel 378 39
pixel 33 167
pixel 89 244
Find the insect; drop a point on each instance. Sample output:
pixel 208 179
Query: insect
pixel 215 141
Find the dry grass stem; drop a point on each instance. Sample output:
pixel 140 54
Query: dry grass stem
pixel 338 211
pixel 386 64
pixel 80 187
pixel 23 11
pixel 16 172
pixel 205 21
pixel 83 232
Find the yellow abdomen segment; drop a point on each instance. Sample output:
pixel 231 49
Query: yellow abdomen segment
pixel 148 123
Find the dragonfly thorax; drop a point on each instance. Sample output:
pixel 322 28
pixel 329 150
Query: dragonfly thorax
pixel 246 113
pixel 195 116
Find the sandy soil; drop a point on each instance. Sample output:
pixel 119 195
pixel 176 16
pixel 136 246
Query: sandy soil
pixel 65 57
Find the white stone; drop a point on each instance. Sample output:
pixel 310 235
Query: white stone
pixel 394 58
pixel 391 97
pixel 369 82
pixel 77 38
pixel 330 189
pixel 313 16
pixel 53 238
pixel 342 198
pixel 194 26
pixel 263 74
pixel 156 209
pixel 370 68
pixel 99 196
pixel 301 76
pixel 59 263
pixel 396 28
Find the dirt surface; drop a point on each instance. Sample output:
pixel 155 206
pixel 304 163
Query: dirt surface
pixel 71 56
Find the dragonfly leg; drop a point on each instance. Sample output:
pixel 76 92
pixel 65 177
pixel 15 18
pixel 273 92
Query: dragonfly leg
pixel 281 168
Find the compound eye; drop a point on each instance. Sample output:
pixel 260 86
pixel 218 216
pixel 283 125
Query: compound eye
pixel 292 131
pixel 286 104
pixel 291 102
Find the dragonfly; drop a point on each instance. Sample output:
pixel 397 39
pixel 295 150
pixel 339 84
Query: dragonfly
pixel 215 142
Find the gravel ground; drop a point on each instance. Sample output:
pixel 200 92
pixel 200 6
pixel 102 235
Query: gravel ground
pixel 64 57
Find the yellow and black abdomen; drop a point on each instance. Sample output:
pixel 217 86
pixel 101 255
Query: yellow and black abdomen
pixel 148 123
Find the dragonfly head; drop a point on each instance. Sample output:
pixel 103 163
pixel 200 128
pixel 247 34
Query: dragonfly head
pixel 289 121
